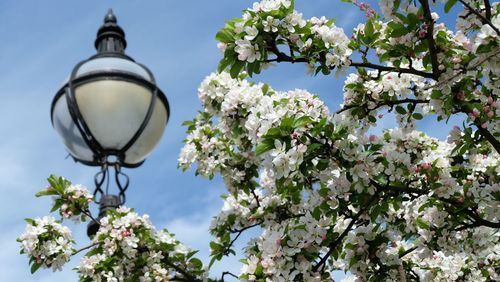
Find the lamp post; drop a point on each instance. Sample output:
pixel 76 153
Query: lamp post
pixel 110 113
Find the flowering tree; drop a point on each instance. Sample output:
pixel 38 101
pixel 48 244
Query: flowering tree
pixel 325 194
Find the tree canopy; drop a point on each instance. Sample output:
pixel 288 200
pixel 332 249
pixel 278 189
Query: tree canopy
pixel 326 194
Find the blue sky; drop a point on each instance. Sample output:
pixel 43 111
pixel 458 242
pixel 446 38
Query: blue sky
pixel 43 40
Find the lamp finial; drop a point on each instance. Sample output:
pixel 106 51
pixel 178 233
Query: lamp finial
pixel 110 37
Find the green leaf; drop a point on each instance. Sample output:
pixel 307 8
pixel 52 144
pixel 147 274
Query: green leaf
pixel 212 261
pixel 34 267
pixel 436 94
pixel 323 192
pixel 369 28
pixel 313 147
pixel 30 221
pixel 400 31
pixel 322 164
pixel 47 192
pixel 236 68
pixel 56 206
pixel 400 110
pixel 375 213
pixel 225 36
pixel 224 63
pixel 264 146
pixel 253 68
pixel 396 5
pixel 325 70
pixel 259 271
pixel 215 247
pixel 422 224
pixel 92 252
pixel 449 5
pixel 381 179
pixel 265 88
pixel 273 132
pixel 188 123
pixel 300 122
pixel 316 213
pixel 287 124
pixel 196 263
pixel 418 116
pixel 396 205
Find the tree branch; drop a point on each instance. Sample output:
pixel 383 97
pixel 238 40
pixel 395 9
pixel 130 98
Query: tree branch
pixel 483 131
pixel 393 69
pixel 479 220
pixel 487 6
pixel 430 38
pixel 387 103
pixel 479 15
pixel 488 136
pixel 282 57
pixel 255 197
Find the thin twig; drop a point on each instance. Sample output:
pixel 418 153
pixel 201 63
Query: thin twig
pixel 407 252
pixel 228 273
pixel 87 213
pixel 239 232
pixel 255 197
pixel 442 82
pixel 83 249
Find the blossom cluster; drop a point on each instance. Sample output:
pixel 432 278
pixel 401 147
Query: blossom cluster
pixel 47 243
pixel 251 42
pixel 138 252
pixel 72 201
pixel 272 253
pixel 126 247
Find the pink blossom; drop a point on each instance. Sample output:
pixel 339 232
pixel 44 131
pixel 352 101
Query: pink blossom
pixel 426 166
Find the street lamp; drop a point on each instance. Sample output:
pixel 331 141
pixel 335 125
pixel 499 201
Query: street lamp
pixel 110 113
